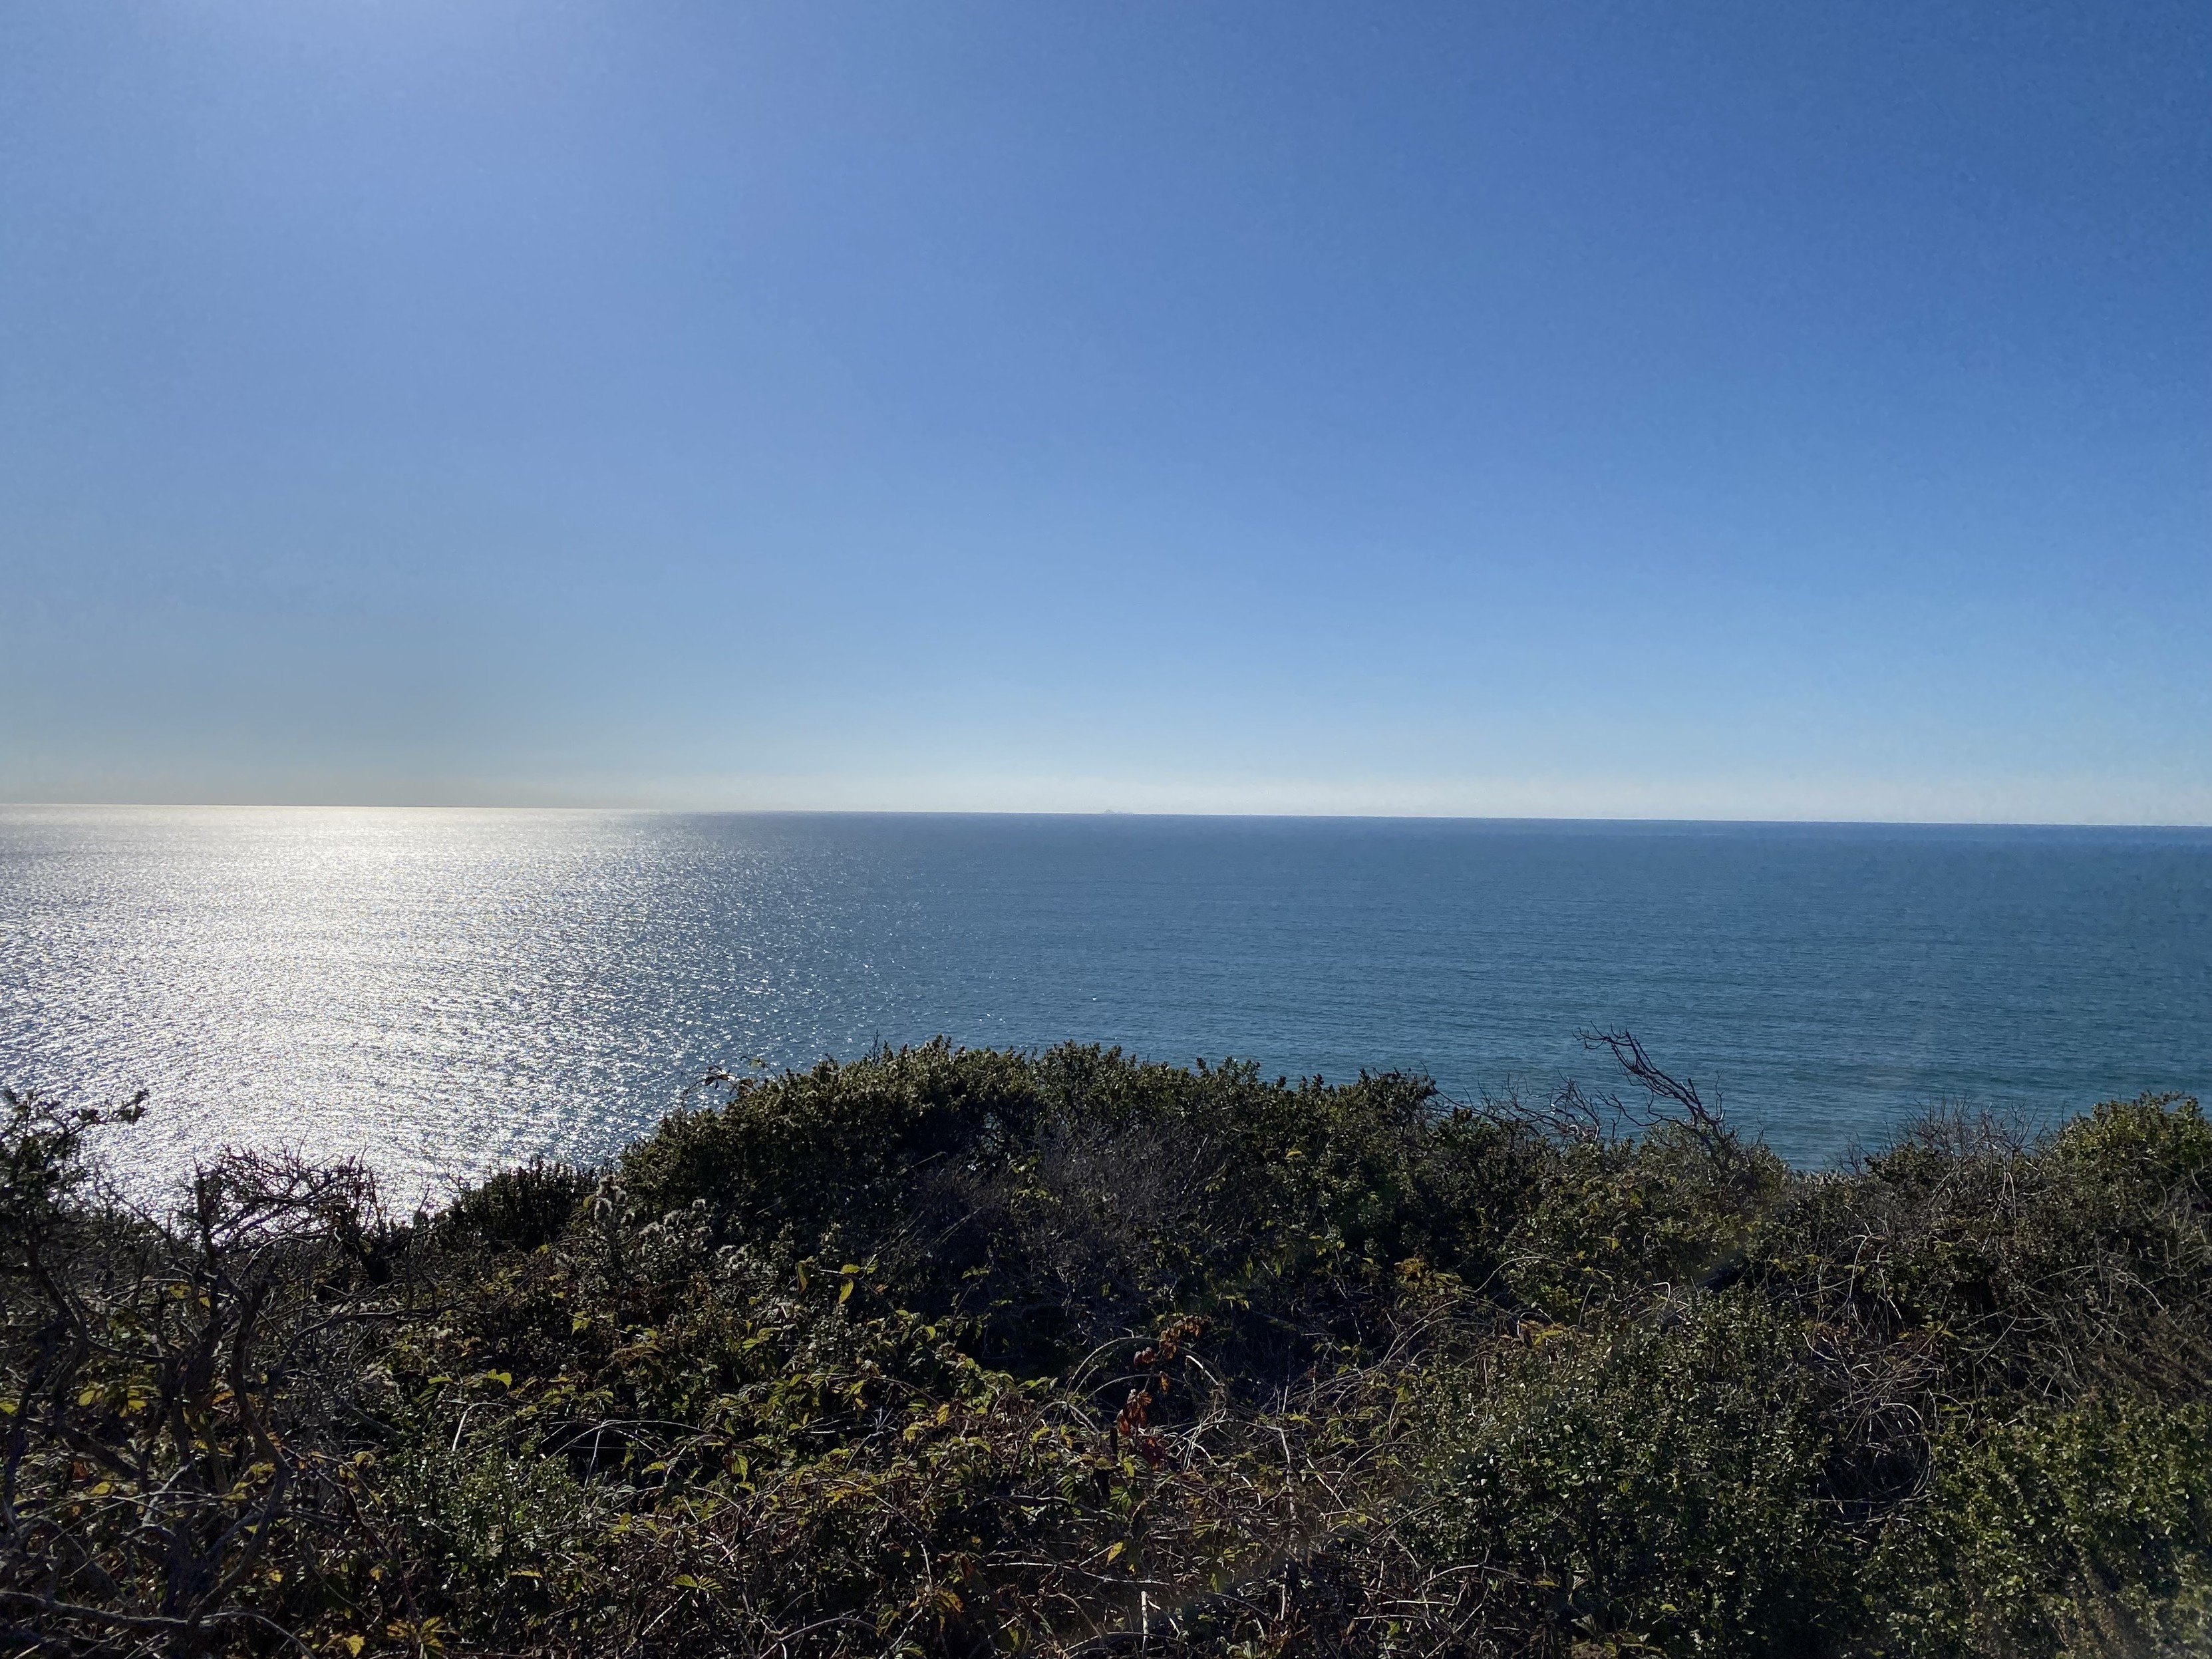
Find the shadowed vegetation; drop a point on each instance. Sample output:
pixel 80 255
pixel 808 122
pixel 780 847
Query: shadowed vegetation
pixel 960 1353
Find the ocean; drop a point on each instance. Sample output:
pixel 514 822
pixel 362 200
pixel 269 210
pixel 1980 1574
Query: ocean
pixel 442 992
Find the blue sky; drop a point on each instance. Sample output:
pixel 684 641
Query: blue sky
pixel 1591 411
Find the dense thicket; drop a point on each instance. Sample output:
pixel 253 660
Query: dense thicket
pixel 964 1352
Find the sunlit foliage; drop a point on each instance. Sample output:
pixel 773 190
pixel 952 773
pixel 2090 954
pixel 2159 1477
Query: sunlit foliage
pixel 956 1352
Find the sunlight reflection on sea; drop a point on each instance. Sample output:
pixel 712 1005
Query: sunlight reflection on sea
pixel 447 991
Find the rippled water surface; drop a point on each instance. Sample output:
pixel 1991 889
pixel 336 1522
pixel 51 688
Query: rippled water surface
pixel 445 990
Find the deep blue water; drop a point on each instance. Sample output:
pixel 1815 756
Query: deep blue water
pixel 444 990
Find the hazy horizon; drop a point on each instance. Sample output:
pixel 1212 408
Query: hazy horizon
pixel 556 808
pixel 1703 413
pixel 1052 797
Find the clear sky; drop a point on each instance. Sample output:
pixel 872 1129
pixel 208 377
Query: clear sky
pixel 1681 410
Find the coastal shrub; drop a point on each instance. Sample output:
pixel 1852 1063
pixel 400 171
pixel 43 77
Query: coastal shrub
pixel 2061 1267
pixel 521 1208
pixel 1656 1486
pixel 2084 1531
pixel 178 1396
pixel 962 1352
pixel 1061 1201
pixel 502 1530
pixel 1609 1222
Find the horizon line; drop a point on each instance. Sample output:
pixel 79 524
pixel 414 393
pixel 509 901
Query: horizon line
pixel 637 810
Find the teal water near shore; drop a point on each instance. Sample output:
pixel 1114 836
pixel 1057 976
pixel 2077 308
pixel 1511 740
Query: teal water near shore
pixel 442 991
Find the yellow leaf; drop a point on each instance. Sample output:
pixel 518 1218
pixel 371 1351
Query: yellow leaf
pixel 846 1294
pixel 87 1396
pixel 354 1645
pixel 1114 1551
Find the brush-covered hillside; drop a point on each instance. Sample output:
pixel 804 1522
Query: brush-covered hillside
pixel 958 1353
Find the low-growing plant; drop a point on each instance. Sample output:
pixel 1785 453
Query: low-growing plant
pixel 1653 1487
pixel 955 1353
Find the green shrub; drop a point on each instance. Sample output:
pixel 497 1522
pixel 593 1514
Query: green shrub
pixel 519 1208
pixel 1608 1222
pixel 496 1524
pixel 2078 1532
pixel 1654 1486
pixel 958 1353
pixel 2059 1269
pixel 1061 1200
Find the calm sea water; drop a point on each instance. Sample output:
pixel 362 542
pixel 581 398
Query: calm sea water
pixel 444 991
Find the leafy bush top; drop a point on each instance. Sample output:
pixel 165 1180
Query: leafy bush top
pixel 965 1352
